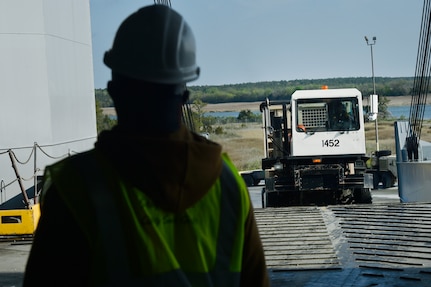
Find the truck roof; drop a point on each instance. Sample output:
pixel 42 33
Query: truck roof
pixel 326 93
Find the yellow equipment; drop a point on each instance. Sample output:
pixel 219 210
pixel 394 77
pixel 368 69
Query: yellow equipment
pixel 19 221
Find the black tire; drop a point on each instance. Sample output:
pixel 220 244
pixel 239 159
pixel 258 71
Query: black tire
pixel 363 195
pixel 387 180
pixel 346 197
pixel 376 180
pixel 271 199
pixel 385 152
pixel 256 181
pixel 248 179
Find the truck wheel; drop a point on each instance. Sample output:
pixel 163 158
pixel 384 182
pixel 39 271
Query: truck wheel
pixel 384 152
pixel 248 179
pixel 363 195
pixel 394 180
pixel 271 199
pixel 387 180
pixel 256 181
pixel 376 180
pixel 346 196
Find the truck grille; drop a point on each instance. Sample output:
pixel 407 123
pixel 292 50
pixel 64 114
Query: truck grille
pixel 314 118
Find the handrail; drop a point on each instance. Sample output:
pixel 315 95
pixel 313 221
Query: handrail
pixel 14 159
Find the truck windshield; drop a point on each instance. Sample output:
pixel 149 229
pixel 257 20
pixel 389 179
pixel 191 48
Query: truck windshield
pixel 341 114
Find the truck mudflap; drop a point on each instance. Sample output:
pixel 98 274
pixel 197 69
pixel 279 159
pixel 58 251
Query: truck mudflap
pixel 368 180
pixel 364 180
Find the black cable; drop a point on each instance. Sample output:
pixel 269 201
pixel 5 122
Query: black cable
pixel 420 83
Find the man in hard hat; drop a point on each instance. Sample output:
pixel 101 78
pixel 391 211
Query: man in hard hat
pixel 153 204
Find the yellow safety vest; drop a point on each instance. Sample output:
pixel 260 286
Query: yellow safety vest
pixel 135 243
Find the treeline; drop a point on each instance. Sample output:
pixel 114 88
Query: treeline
pixel 275 90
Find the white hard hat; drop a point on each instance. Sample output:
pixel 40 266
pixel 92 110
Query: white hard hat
pixel 154 44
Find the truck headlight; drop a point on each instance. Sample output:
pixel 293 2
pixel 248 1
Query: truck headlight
pixel 278 165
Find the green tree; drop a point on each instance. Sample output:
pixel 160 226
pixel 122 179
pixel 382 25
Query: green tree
pixel 103 122
pixel 282 90
pixel 383 107
pixel 248 116
pixel 245 115
pixel 103 97
pixel 198 114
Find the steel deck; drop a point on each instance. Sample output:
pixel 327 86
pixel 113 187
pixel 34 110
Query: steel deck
pixel 352 245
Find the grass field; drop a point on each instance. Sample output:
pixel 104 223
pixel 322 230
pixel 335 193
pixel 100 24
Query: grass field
pixel 244 142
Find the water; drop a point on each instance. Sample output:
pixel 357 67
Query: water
pixel 396 112
pixel 404 111
pixel 227 114
pixel 222 114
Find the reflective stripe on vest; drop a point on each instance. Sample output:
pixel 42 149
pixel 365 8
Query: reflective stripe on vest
pixel 118 269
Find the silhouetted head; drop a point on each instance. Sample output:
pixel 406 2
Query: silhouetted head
pixel 152 58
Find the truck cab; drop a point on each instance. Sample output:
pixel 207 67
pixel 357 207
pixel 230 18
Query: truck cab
pixel 329 122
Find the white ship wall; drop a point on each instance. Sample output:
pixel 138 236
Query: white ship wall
pixel 47 105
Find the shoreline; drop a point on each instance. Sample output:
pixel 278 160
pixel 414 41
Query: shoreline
pixel 254 106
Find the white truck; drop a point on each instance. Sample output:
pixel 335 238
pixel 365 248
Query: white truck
pixel 314 148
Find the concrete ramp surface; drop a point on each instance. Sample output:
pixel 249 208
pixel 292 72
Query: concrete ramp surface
pixel 352 245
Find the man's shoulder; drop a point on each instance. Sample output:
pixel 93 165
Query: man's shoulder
pixel 72 162
pixel 82 156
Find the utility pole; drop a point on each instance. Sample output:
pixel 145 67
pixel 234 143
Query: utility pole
pixel 374 87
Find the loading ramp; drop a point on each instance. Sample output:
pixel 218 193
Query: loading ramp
pixel 348 245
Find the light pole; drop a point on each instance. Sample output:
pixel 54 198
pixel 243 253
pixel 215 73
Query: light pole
pixel 374 85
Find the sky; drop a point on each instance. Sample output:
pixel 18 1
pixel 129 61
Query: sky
pixel 243 41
